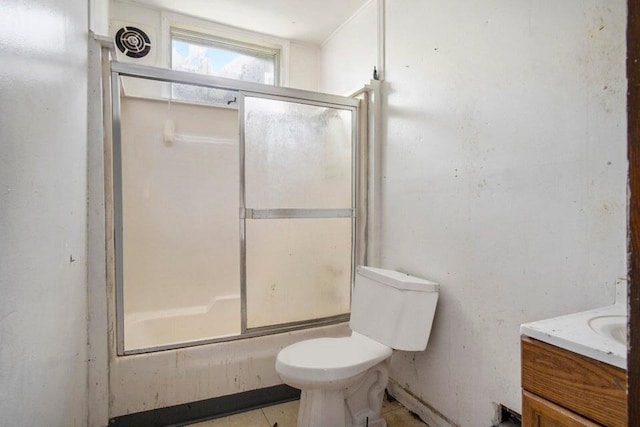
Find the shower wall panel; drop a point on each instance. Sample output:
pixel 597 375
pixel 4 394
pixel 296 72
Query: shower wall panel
pixel 180 222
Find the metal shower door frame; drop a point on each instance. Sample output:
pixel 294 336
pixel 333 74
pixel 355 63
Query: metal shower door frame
pixel 280 213
pixel 244 89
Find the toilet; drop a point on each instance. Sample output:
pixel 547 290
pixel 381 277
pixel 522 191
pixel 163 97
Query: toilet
pixel 343 379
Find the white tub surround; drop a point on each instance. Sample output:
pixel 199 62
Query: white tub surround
pixel 599 333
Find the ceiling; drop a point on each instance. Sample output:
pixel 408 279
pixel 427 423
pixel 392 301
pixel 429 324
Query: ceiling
pixel 310 21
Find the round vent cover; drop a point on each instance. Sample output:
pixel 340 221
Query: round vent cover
pixel 133 42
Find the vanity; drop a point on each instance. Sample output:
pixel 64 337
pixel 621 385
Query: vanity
pixel 574 370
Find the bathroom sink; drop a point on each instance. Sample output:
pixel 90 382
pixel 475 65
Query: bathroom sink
pixel 612 326
pixel 600 334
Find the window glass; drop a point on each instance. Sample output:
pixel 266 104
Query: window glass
pixel 227 61
pixel 202 54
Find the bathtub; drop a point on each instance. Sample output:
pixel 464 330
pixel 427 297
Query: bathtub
pixel 219 318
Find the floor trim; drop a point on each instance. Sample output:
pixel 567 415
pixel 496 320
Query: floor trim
pixel 426 412
pixel 203 410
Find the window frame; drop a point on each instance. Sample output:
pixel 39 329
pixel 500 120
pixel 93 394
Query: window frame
pixel 250 49
pixel 207 30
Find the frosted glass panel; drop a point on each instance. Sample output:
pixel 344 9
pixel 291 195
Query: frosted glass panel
pixel 297 269
pixel 180 223
pixel 297 156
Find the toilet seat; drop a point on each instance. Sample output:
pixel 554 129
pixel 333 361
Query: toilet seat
pixel 324 360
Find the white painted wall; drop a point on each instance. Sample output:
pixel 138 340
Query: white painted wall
pixel 99 17
pixel 303 69
pixel 504 178
pixel 348 56
pixel 98 327
pixel 43 196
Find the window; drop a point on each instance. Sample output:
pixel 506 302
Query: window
pixel 199 53
pixel 205 54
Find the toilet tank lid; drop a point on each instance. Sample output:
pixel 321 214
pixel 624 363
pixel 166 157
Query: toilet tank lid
pixel 398 280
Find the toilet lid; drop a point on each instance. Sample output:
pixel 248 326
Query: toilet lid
pixel 330 359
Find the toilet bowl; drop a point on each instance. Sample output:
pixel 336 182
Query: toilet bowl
pixel 342 380
pixel 326 369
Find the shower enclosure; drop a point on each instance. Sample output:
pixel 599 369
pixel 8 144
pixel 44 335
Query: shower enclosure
pixel 229 222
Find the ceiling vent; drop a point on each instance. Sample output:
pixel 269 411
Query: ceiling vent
pixel 133 42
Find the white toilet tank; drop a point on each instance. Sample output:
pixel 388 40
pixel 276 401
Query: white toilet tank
pixel 393 308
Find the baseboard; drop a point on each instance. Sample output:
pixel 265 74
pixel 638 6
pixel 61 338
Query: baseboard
pixel 202 410
pixel 426 412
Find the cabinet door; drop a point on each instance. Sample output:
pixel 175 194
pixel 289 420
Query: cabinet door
pixel 584 386
pixel 538 412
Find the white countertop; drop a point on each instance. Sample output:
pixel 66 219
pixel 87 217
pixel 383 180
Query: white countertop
pixel 587 333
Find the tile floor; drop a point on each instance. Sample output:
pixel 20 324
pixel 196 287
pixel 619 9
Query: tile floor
pixel 285 414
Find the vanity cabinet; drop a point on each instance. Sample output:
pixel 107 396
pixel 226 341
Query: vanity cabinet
pixel 539 412
pixel 565 389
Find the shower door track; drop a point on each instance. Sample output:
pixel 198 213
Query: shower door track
pixel 118 70
pixel 173 76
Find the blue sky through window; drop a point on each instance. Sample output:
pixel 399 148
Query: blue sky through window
pixel 216 58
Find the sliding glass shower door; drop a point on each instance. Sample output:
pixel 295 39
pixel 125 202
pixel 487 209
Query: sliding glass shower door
pixel 228 222
pixel 180 249
pixel 297 213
